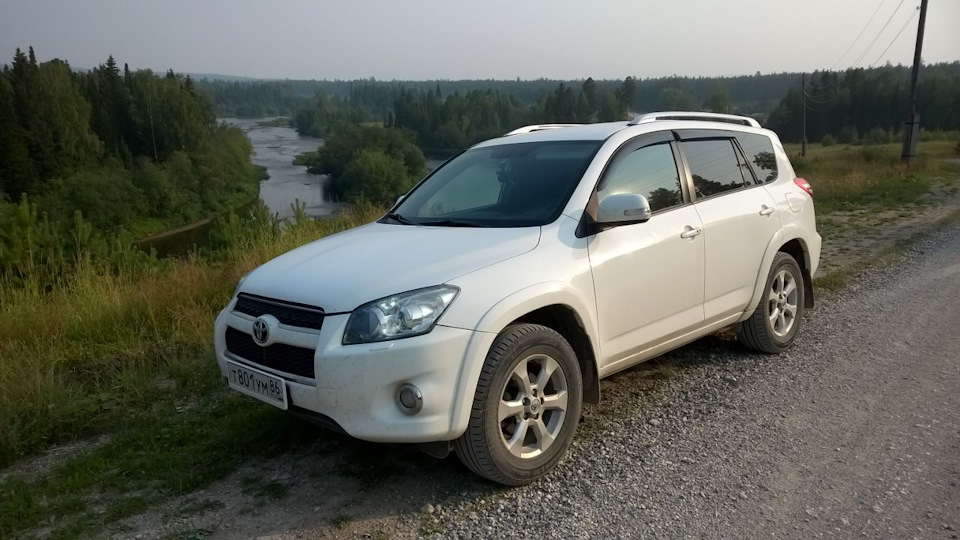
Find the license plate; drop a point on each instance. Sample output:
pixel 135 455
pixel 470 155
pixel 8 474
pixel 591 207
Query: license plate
pixel 258 384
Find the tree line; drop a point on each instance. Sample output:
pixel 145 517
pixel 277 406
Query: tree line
pixel 756 93
pixel 88 157
pixel 868 104
pixel 251 99
pixel 845 105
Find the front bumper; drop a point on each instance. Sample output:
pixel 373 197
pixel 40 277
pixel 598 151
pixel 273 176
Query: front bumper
pixel 355 385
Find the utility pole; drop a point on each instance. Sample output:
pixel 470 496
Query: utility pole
pixel 803 105
pixel 911 128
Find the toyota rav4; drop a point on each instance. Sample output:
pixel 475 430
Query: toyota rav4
pixel 480 313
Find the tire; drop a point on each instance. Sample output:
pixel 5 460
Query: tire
pixel 509 444
pixel 775 324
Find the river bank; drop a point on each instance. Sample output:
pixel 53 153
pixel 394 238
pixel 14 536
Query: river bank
pixel 274 148
pixel 287 185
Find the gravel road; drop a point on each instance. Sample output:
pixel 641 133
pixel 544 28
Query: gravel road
pixel 854 432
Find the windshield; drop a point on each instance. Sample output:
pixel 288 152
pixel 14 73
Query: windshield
pixel 508 185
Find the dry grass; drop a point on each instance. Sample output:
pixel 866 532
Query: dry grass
pixel 845 177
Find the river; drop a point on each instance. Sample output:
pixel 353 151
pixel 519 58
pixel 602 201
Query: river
pixel 274 149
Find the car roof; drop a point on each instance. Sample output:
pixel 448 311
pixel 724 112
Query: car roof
pixel 602 131
pixel 548 132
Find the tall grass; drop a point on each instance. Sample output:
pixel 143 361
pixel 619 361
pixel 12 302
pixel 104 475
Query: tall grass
pixel 77 356
pixel 846 177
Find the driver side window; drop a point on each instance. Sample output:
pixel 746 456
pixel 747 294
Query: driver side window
pixel 650 171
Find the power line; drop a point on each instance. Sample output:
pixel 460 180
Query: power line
pixel 902 28
pixel 822 100
pixel 856 39
pixel 872 43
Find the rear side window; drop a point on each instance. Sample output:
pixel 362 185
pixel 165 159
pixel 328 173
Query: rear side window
pixel 650 171
pixel 759 151
pixel 713 165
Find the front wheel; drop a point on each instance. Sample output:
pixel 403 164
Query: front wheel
pixel 774 326
pixel 526 408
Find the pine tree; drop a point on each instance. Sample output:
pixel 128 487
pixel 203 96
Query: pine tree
pixel 17 175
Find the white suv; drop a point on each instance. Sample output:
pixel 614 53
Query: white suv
pixel 484 308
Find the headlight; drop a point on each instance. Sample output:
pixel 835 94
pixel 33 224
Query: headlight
pixel 399 316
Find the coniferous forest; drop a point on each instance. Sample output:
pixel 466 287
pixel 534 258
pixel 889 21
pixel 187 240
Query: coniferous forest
pixel 90 157
pixel 855 105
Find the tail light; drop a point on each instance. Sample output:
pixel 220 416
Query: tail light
pixel 804 185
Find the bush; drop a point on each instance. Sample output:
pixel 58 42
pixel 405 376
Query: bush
pixel 106 197
pixel 343 148
pixel 876 136
pixel 375 176
pixel 848 135
pixel 828 140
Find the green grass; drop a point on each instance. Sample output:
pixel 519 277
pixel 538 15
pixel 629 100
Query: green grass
pixel 156 454
pixel 850 181
pixel 856 177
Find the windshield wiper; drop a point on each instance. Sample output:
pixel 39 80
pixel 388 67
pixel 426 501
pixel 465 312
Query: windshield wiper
pixel 398 218
pixel 447 222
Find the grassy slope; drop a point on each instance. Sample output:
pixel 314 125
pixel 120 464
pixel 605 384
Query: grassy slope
pixel 130 356
pixel 867 192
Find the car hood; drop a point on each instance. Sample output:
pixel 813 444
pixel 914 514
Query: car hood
pixel 343 271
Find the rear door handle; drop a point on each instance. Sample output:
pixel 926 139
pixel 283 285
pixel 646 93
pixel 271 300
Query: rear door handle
pixel 690 232
pixel 767 210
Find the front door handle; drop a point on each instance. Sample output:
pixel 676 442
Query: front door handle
pixel 690 232
pixel 767 210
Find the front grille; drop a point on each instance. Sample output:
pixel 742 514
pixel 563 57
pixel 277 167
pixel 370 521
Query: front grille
pixel 279 356
pixel 287 313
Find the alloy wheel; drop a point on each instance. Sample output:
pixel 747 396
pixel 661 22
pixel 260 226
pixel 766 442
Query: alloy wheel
pixel 533 406
pixel 782 303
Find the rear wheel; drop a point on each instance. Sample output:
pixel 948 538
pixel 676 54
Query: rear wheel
pixel 526 408
pixel 774 326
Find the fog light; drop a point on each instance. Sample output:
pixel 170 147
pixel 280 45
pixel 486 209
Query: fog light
pixel 409 398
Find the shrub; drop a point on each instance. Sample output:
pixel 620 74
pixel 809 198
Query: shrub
pixel 343 148
pixel 828 140
pixel 848 135
pixel 876 136
pixel 375 176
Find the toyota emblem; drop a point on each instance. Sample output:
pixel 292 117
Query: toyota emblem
pixel 261 331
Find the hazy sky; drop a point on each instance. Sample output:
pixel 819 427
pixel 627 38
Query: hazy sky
pixel 474 39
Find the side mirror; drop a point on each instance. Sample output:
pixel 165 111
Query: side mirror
pixel 623 209
pixel 400 199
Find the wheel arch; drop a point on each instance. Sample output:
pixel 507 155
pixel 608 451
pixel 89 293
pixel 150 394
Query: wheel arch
pixel 557 304
pixel 564 320
pixel 788 240
pixel 797 248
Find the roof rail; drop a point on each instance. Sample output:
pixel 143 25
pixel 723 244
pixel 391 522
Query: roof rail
pixel 538 127
pixel 689 115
